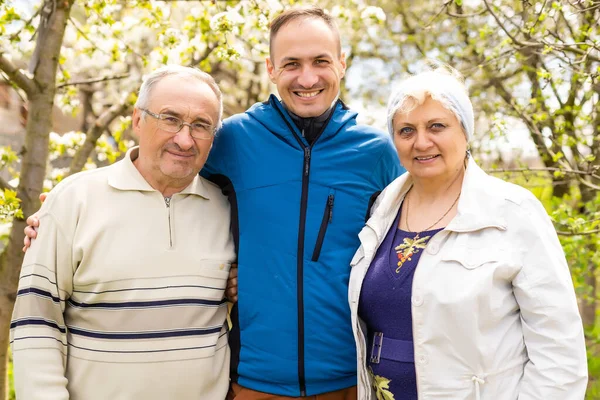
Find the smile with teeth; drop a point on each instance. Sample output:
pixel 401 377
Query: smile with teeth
pixel 308 94
pixel 425 158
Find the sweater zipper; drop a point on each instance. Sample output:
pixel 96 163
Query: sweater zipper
pixel 301 235
pixel 168 204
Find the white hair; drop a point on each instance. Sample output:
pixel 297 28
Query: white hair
pixel 442 84
pixel 143 99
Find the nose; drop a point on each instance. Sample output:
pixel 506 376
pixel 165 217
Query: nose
pixel 422 140
pixel 308 77
pixel 183 138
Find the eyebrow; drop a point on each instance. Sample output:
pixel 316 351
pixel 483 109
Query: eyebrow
pixel 180 116
pixel 322 55
pixel 444 120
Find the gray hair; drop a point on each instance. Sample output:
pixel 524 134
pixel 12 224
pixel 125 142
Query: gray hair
pixel 443 84
pixel 150 81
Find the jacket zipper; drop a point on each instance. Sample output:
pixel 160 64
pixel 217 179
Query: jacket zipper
pixel 301 234
pixel 327 217
pixel 168 204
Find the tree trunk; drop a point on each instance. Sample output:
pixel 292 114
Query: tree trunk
pixel 53 21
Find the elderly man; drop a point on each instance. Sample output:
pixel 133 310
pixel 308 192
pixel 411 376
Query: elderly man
pixel 121 294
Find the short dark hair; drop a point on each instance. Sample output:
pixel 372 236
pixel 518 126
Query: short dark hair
pixel 300 13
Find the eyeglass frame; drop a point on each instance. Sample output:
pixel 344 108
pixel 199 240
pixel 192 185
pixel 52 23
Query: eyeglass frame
pixel 160 117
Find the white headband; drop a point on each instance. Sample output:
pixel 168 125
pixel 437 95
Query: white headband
pixel 442 87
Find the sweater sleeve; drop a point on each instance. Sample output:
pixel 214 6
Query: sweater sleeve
pixel 38 333
pixel 552 327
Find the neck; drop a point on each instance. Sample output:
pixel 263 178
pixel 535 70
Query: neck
pixel 427 191
pixel 167 186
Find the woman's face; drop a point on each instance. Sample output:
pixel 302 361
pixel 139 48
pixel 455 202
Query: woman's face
pixel 430 141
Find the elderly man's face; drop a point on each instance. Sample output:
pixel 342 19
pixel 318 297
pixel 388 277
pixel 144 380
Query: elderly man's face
pixel 175 159
pixel 306 66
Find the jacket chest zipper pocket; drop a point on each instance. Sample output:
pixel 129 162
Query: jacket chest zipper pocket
pixel 327 217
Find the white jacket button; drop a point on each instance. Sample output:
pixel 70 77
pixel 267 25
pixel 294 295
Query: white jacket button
pixel 422 359
pixel 433 248
pixel 417 300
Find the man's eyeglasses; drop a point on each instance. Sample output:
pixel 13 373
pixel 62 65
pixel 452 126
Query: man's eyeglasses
pixel 171 124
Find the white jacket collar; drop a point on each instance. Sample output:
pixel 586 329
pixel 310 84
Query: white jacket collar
pixel 477 206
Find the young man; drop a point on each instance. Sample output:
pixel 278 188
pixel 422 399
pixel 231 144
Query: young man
pixel 121 294
pixel 300 174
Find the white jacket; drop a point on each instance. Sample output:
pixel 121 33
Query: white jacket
pixel 494 311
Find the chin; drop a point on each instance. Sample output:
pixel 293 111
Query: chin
pixel 179 173
pixel 309 111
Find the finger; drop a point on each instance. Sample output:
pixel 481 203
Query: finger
pixel 232 291
pixel 43 197
pixel 30 232
pixel 232 298
pixel 232 283
pixel 33 220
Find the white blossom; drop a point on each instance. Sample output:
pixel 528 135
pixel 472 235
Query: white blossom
pixel 372 12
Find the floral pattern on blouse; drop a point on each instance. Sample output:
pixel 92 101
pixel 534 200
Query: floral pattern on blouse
pixel 381 386
pixel 408 248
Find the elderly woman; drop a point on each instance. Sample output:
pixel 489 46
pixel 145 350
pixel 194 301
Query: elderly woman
pixel 460 289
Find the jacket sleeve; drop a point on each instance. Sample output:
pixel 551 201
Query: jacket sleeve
pixel 222 154
pixel 388 166
pixel 552 327
pixel 38 332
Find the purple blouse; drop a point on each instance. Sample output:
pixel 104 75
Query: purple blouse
pixel 385 307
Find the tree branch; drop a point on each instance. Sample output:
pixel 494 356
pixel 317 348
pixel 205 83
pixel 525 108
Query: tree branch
pixel 16 75
pixel 94 133
pixel 475 14
pixel 545 169
pixel 209 49
pixel 93 80
pixel 15 35
pixel 500 24
pixel 563 233
pixel 5 185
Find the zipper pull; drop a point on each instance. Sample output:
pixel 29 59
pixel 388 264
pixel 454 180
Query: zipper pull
pixel 306 160
pixel 330 205
pixel 168 202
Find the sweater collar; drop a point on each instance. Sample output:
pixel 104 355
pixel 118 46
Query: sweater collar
pixel 125 176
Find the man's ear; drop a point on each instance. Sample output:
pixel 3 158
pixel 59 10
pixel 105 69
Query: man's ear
pixel 136 120
pixel 270 69
pixel 342 64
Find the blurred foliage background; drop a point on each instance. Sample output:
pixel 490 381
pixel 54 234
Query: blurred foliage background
pixel 70 70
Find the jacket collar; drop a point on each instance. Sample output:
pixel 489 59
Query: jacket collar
pixel 477 207
pixel 274 117
pixel 125 176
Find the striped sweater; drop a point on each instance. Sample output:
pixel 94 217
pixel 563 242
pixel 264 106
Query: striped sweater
pixel 121 294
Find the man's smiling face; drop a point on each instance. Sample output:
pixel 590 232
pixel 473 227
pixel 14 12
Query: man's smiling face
pixel 307 66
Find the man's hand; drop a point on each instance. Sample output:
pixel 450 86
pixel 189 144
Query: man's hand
pixel 231 291
pixel 33 223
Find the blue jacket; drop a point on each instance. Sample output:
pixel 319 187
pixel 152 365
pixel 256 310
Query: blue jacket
pixel 296 213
